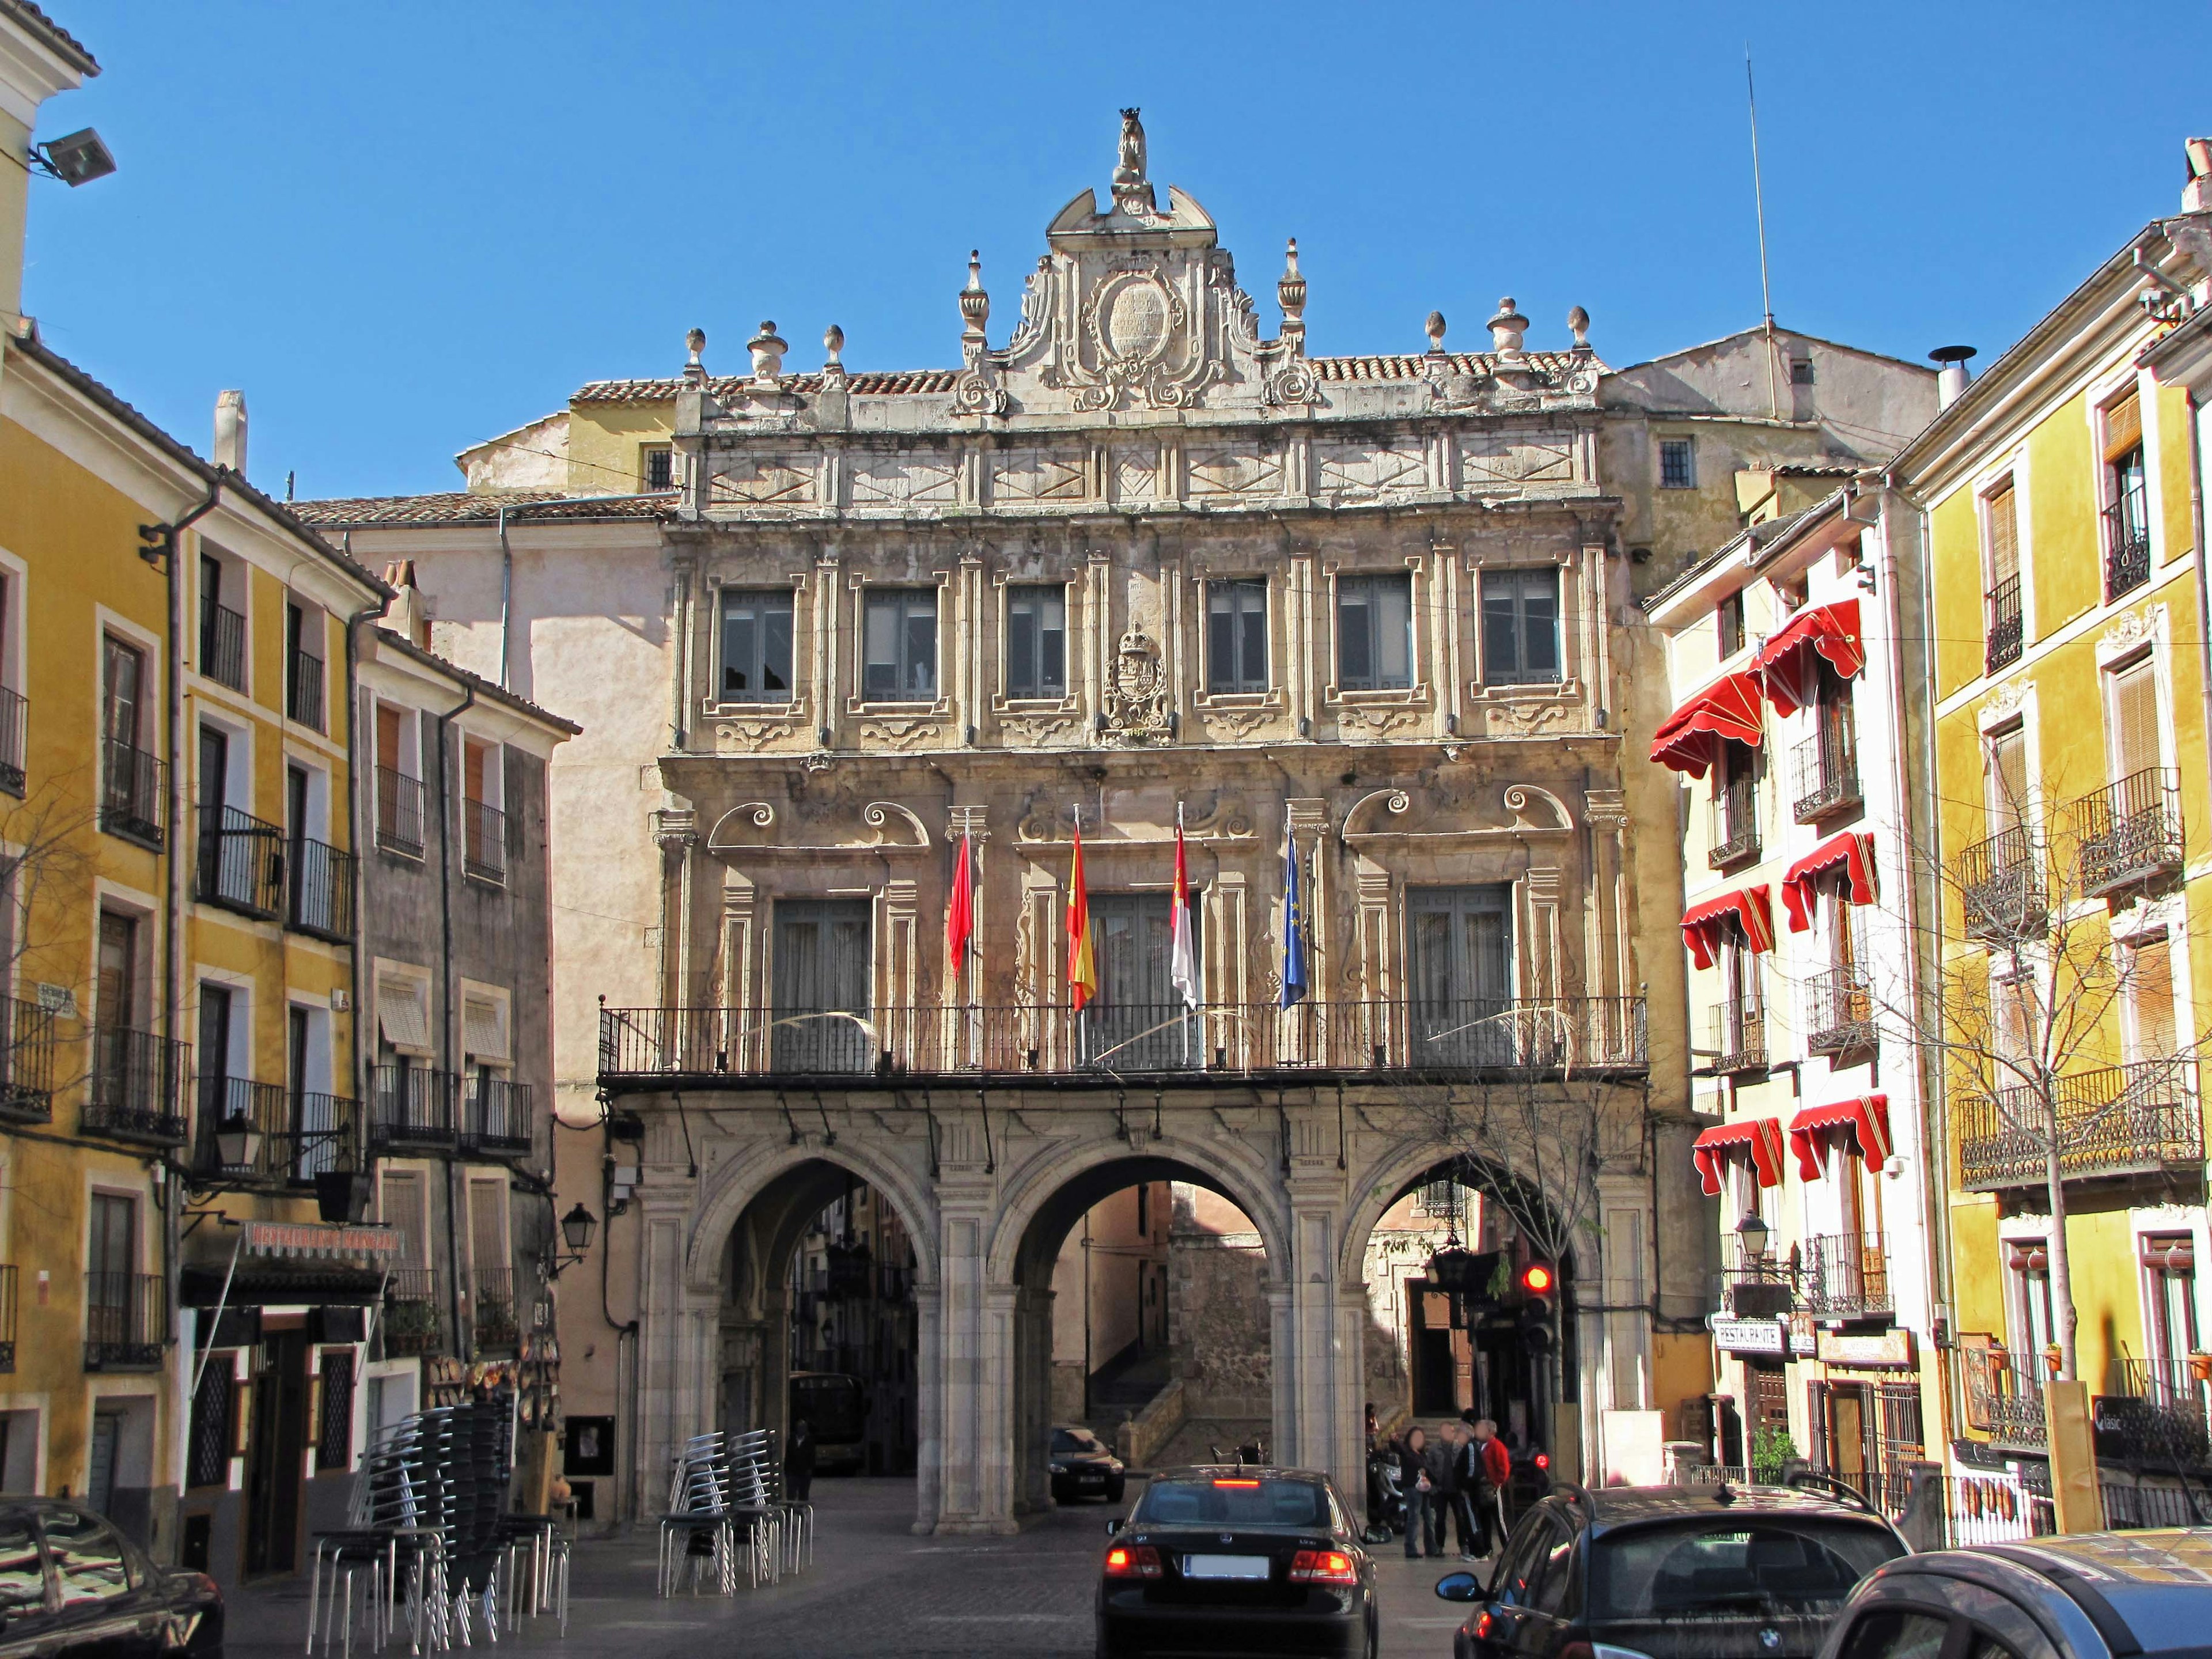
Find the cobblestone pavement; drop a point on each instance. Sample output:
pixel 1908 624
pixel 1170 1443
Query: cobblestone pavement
pixel 874 1588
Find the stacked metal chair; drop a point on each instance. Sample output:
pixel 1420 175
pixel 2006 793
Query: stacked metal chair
pixel 722 1509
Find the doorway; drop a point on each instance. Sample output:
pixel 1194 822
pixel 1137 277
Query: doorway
pixel 821 967
pixel 1137 1020
pixel 276 1453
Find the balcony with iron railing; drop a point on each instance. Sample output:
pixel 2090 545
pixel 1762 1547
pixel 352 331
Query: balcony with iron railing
pixel 2004 885
pixel 137 1087
pixel 491 1309
pixel 1839 1013
pixel 320 896
pixel 413 1322
pixel 2005 1397
pixel 483 843
pixel 2127 546
pixel 14 713
pixel 1735 836
pixel 1443 1038
pixel 303 688
pixel 134 795
pixel 1759 1285
pixel 496 1120
pixel 30 1044
pixel 242 862
pixel 223 645
pixel 399 813
pixel 2153 1410
pixel 1844 1276
pixel 2128 833
pixel 1739 1032
pixel 411 1109
pixel 2119 1120
pixel 2005 626
pixel 6 1318
pixel 126 1321
pixel 1826 768
pixel 265 1135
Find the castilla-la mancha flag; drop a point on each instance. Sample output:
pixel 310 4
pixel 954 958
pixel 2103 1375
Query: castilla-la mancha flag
pixel 1082 969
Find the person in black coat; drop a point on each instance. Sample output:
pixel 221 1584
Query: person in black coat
pixel 798 1460
pixel 1418 1487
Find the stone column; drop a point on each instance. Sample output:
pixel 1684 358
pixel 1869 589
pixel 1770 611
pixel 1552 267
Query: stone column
pixel 928 1408
pixel 1032 1409
pixel 976 1347
pixel 679 1341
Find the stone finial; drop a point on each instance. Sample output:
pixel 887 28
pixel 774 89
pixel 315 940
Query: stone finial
pixel 833 347
pixel 975 303
pixel 1132 191
pixel 1435 328
pixel 1291 290
pixel 695 366
pixel 1508 329
pixel 1578 322
pixel 767 348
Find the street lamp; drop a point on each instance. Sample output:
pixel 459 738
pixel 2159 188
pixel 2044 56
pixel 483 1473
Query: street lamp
pixel 1752 1233
pixel 576 1229
pixel 238 1143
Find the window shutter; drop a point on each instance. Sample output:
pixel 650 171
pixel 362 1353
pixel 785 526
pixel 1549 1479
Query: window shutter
pixel 400 1204
pixel 483 1032
pixel 487 1227
pixel 401 1015
pixel 2134 717
pixel 2004 537
pixel 2008 780
pixel 2150 1000
pixel 2122 427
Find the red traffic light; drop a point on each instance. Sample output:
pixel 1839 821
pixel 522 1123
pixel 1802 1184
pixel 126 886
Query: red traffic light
pixel 1536 1279
pixel 1543 1460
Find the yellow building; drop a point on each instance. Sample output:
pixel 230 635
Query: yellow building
pixel 2069 770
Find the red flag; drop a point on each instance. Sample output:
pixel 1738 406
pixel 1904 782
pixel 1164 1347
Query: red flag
pixel 1082 969
pixel 960 914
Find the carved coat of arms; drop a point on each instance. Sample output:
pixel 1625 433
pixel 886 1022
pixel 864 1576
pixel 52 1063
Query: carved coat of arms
pixel 1136 709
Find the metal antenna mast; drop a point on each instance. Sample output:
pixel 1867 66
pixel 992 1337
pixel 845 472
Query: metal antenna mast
pixel 1759 198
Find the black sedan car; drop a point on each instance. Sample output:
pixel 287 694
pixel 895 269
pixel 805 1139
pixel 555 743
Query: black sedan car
pixel 1221 1560
pixel 1672 1573
pixel 1082 1467
pixel 71 1583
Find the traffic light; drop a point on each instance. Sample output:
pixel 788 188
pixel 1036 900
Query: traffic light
pixel 1536 1279
pixel 1539 1288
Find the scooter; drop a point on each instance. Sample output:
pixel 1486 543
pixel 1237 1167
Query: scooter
pixel 1386 1501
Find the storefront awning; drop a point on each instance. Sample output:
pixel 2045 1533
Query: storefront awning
pixel 1756 1139
pixel 1831 629
pixel 1701 924
pixel 1851 853
pixel 1689 739
pixel 309 1238
pixel 1862 1125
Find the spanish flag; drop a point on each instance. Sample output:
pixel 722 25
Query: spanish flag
pixel 1082 971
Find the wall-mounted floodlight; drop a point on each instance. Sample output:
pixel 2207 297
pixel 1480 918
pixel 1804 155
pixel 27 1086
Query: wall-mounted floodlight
pixel 76 158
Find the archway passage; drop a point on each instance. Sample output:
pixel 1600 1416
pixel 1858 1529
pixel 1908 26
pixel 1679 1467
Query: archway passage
pixel 819 1319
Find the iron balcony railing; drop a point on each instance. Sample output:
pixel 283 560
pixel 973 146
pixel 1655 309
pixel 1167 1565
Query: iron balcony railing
pixel 303 688
pixel 223 645
pixel 1444 1037
pixel 1761 1285
pixel 29 1042
pixel 2153 1409
pixel 1846 1275
pixel 242 862
pixel 2005 1397
pixel 491 1309
pixel 286 1138
pixel 320 897
pixel 399 813
pixel 412 1321
pixel 126 1321
pixel 1839 1013
pixel 1825 766
pixel 410 1108
pixel 2002 885
pixel 134 796
pixel 484 841
pixel 2005 626
pixel 6 1318
pixel 495 1117
pixel 2129 832
pixel 1739 1028
pixel 2127 548
pixel 14 712
pixel 138 1086
pixel 2138 1119
pixel 1735 836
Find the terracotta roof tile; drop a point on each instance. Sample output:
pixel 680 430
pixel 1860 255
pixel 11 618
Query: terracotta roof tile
pixel 465 506
pixel 55 35
pixel 895 383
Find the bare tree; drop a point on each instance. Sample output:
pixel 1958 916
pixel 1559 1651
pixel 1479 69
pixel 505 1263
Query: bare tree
pixel 47 906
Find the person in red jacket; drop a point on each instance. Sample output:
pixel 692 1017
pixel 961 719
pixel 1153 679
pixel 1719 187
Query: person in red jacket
pixel 1493 1468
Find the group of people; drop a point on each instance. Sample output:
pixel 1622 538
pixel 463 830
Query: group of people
pixel 1462 1474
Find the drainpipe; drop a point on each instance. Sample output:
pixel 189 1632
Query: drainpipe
pixel 448 1054
pixel 355 838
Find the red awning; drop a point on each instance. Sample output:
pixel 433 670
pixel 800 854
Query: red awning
pixel 1689 738
pixel 1831 629
pixel 1850 852
pixel 1865 1120
pixel 1758 1140
pixel 1701 923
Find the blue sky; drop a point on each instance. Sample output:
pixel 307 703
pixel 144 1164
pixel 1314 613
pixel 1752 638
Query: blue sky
pixel 401 227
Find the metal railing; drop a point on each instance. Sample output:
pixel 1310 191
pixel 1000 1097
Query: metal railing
pixel 1739 1028
pixel 1839 1017
pixel 2003 886
pixel 14 710
pixel 28 1044
pixel 223 645
pixel 1761 1287
pixel 1735 824
pixel 1563 1035
pixel 1826 770
pixel 242 862
pixel 2127 548
pixel 484 841
pixel 2005 626
pixel 2137 1118
pixel 321 890
pixel 495 1118
pixel 1846 1275
pixel 491 1308
pixel 303 688
pixel 2004 1396
pixel 6 1318
pixel 287 1138
pixel 412 1322
pixel 410 1107
pixel 399 813
pixel 137 1087
pixel 134 796
pixel 2153 1409
pixel 2129 832
pixel 126 1321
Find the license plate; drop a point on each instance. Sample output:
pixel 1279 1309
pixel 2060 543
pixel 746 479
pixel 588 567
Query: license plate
pixel 1226 1566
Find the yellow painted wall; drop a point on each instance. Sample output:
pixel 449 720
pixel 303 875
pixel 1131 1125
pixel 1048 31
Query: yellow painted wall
pixel 604 440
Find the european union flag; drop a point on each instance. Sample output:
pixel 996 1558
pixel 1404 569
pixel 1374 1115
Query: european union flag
pixel 1294 926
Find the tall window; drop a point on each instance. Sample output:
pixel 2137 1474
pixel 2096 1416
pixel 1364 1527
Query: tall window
pixel 2146 970
pixel 2007 779
pixel 222 627
pixel 901 645
pixel 2127 500
pixel 1237 636
pixel 303 664
pixel 2169 1262
pixel 1374 633
pixel 398 782
pixel 1678 464
pixel 2001 526
pixel 483 817
pixel 756 647
pixel 122 692
pixel 2032 1324
pixel 823 965
pixel 2133 691
pixel 1036 642
pixel 1520 627
pixel 657 468
pixel 111 1266
pixel 1460 940
pixel 1728 620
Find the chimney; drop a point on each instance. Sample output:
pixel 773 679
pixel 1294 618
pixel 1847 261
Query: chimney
pixel 2197 194
pixel 407 615
pixel 230 431
pixel 1951 372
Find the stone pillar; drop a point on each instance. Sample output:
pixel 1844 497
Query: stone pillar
pixel 1032 1406
pixel 976 1346
pixel 928 1407
pixel 679 1343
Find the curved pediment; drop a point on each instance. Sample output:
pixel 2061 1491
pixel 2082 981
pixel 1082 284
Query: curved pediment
pixel 1516 811
pixel 881 826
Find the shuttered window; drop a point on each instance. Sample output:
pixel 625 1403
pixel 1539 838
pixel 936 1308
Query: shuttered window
pixel 2004 537
pixel 487 1228
pixel 403 1209
pixel 2123 428
pixel 2008 779
pixel 2134 717
pixel 2149 967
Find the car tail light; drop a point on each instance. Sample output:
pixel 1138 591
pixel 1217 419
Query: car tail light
pixel 1543 1460
pixel 1132 1561
pixel 1483 1626
pixel 1240 1485
pixel 1323 1567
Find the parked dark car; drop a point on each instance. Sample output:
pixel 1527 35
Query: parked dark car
pixel 1082 1467
pixel 1225 1559
pixel 71 1583
pixel 1673 1572
pixel 2090 1595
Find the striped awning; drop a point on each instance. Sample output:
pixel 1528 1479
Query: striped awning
pixel 1860 1125
pixel 1831 629
pixel 1689 739
pixel 1850 852
pixel 1747 907
pixel 1757 1140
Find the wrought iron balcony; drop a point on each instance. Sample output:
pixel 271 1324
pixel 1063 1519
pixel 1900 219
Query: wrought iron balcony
pixel 647 1047
pixel 495 1118
pixel 15 711
pixel 287 1139
pixel 491 1309
pixel 134 794
pixel 1739 1028
pixel 2129 832
pixel 2005 626
pixel 2003 886
pixel 223 645
pixel 303 688
pixel 1827 768
pixel 28 1044
pixel 2153 1410
pixel 484 841
pixel 1760 1287
pixel 399 813
pixel 321 891
pixel 413 1322
pixel 138 1083
pixel 126 1321
pixel 1846 1275
pixel 242 862
pixel 411 1109
pixel 6 1318
pixel 1840 1014
pixel 2140 1119
pixel 2005 1397
pixel 1734 838
pixel 2127 547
